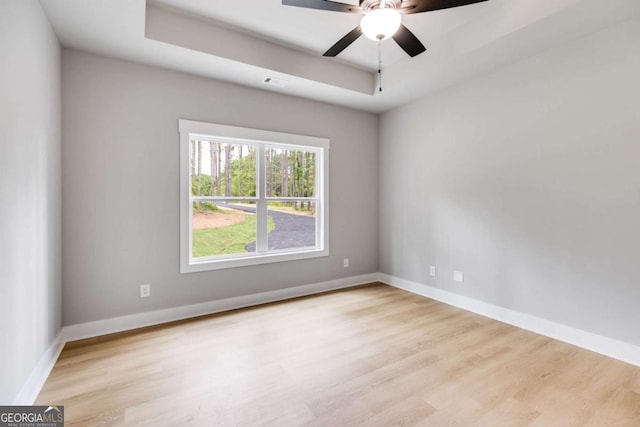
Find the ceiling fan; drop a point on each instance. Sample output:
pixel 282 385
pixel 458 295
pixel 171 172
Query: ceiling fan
pixel 382 19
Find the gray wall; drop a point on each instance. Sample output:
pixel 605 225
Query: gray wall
pixel 121 186
pixel 29 191
pixel 527 180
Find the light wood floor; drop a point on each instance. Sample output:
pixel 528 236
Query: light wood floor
pixel 367 356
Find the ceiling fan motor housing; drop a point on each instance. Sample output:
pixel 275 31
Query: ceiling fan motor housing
pixel 369 5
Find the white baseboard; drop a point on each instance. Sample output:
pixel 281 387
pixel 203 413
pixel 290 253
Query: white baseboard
pixel 40 373
pixel 149 318
pixel 600 344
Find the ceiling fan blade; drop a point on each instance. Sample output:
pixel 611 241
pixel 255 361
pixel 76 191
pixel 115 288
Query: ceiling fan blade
pixel 418 6
pixel 344 42
pixel 408 42
pixel 324 5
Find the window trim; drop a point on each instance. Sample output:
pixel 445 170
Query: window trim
pixel 259 138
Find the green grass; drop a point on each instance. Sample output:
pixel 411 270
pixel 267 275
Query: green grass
pixel 227 240
pixel 205 207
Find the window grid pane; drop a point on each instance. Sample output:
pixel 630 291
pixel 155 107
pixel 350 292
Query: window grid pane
pixel 290 172
pixel 220 169
pixel 294 223
pixel 222 228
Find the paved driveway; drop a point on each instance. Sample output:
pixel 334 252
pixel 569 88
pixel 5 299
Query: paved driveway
pixel 291 231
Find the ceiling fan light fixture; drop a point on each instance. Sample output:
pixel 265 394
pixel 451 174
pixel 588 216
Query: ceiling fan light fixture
pixel 380 24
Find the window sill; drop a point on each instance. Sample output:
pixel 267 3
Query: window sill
pixel 245 261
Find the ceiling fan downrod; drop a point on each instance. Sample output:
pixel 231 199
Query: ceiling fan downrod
pixel 380 66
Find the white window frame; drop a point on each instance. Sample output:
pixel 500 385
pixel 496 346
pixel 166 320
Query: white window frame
pixel 259 138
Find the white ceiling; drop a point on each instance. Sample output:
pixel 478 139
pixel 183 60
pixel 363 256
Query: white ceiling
pixel 243 41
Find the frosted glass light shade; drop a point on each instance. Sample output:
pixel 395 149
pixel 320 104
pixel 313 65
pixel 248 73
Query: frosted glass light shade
pixel 380 24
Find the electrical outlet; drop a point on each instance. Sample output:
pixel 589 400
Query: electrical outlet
pixel 432 270
pixel 346 262
pixel 458 276
pixel 145 291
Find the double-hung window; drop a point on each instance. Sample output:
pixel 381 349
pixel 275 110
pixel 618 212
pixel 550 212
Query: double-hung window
pixel 250 196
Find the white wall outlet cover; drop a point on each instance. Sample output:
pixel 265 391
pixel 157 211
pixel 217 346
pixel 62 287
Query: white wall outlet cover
pixel 432 271
pixel 145 291
pixel 458 276
pixel 346 262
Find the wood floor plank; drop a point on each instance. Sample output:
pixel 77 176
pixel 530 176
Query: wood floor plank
pixel 372 355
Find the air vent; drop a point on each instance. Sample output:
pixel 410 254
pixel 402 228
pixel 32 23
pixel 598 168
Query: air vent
pixel 275 82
